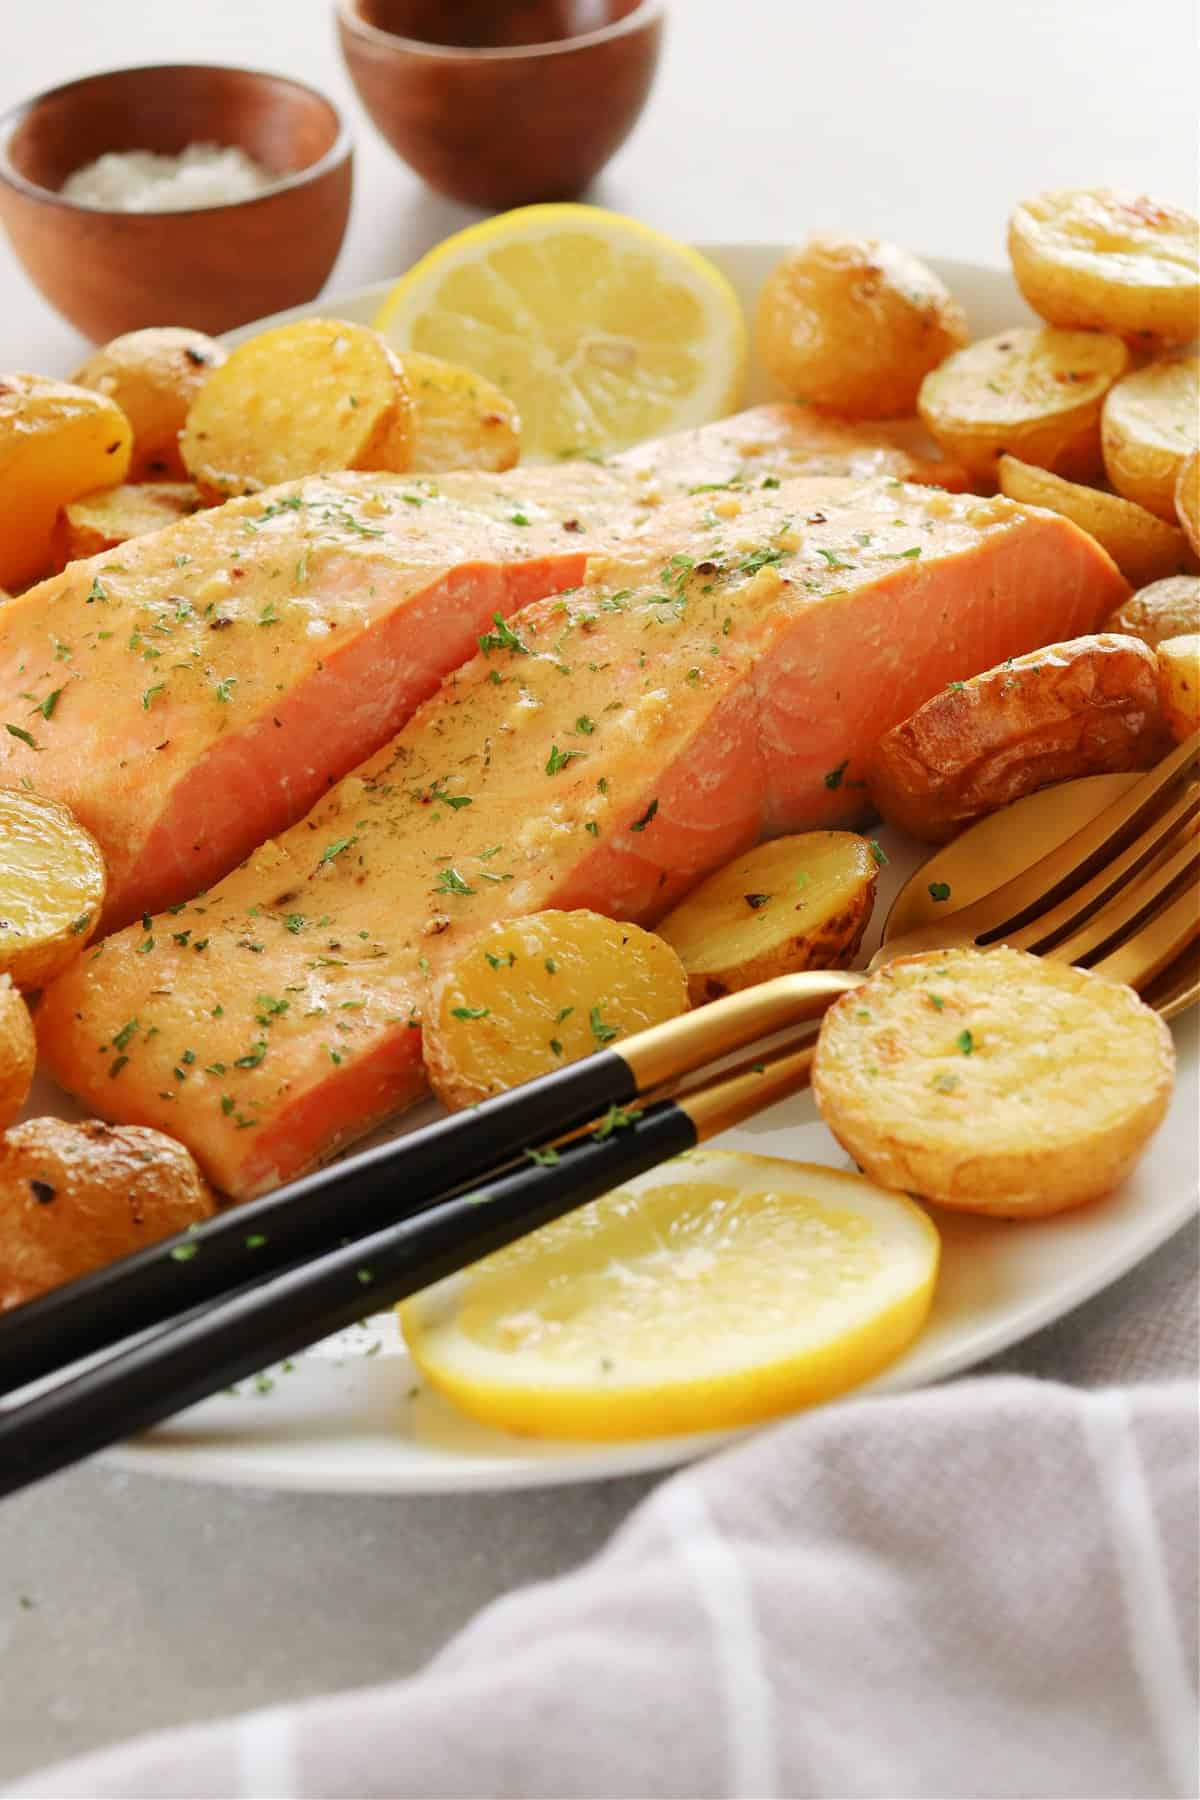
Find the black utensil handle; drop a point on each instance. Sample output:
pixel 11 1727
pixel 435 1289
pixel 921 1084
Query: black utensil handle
pixel 347 1199
pixel 198 1356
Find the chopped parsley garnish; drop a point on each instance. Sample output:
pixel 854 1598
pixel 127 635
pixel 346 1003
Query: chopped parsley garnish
pixel 149 694
pixel 834 777
pixel 125 1034
pixel 335 849
pixel 184 1252
pixel 224 689
pixel 503 638
pixel 939 890
pixel 545 1159
pixel 965 1042
pixel 46 707
pixel 601 1030
pixel 471 1012
pixel 834 560
pixel 617 1118
pixel 253 1056
pixel 449 881
pixel 758 559
pixel 955 687
pixel 558 759
pixel 878 852
pixel 755 901
pixel 641 824
pixel 26 737
pixel 97 591
pixel 585 725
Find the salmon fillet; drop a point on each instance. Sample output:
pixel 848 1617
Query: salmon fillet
pixel 605 749
pixel 194 692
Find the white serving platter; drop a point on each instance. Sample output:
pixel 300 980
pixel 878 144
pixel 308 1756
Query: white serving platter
pixel 350 1416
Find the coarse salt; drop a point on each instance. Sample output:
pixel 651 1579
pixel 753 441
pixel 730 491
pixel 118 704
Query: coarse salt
pixel 144 181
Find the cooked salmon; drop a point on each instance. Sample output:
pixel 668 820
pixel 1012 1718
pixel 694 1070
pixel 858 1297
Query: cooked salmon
pixel 193 693
pixel 604 749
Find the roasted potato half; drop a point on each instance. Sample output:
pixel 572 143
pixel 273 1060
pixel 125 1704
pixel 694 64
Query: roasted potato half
pixel 1165 609
pixel 52 884
pixel 992 1081
pixel 1149 426
pixel 1089 706
pixel 18 1052
pixel 1179 668
pixel 1102 259
pixel 531 994
pixel 460 420
pixel 74 1197
pixel 100 522
pixel 56 442
pixel 1187 500
pixel 1144 547
pixel 154 376
pixel 1035 392
pixel 795 903
pixel 854 325
pixel 302 399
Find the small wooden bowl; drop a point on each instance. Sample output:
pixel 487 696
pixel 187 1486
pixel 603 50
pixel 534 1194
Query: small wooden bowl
pixel 211 267
pixel 501 106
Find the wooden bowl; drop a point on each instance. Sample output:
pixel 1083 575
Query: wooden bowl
pixel 500 106
pixel 211 267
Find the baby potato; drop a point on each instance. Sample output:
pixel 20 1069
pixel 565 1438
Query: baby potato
pixel 154 376
pixel 795 903
pixel 1103 259
pixel 1187 500
pixel 18 1052
pixel 52 884
pixel 529 995
pixel 1149 425
pixel 992 1081
pixel 460 419
pixel 1165 609
pixel 1179 667
pixel 1089 706
pixel 56 442
pixel 853 325
pixel 100 522
pixel 74 1197
pixel 1144 548
pixel 302 399
pixel 1034 392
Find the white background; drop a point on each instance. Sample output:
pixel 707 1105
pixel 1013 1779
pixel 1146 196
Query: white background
pixel 922 121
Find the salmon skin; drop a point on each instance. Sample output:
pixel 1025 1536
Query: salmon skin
pixel 605 749
pixel 194 692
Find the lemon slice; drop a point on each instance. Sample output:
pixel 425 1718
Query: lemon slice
pixel 716 1290
pixel 603 331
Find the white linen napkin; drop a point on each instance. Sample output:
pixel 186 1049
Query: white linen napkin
pixel 985 1589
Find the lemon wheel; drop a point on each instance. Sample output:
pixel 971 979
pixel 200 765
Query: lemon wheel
pixel 715 1291
pixel 602 330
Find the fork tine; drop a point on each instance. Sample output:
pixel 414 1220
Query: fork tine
pixel 1074 910
pixel 1163 937
pixel 1131 905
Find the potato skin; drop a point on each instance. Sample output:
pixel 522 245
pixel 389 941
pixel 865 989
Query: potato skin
pixel 1150 422
pixel 56 443
pixel 1144 547
pixel 18 1052
pixel 1089 706
pixel 1179 670
pixel 74 1197
pixel 153 376
pixel 988 1080
pixel 1033 392
pixel 1166 609
pixel 1108 259
pixel 795 903
pixel 853 325
pixel 1187 500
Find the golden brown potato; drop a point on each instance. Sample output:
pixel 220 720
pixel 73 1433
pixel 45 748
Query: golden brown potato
pixel 460 420
pixel 56 442
pixel 74 1197
pixel 529 995
pixel 853 325
pixel 302 399
pixel 992 1081
pixel 101 521
pixel 1089 706
pixel 18 1052
pixel 1101 259
pixel 1179 668
pixel 1165 609
pixel 1144 548
pixel 1149 426
pixel 1187 500
pixel 795 903
pixel 52 883
pixel 1034 392
pixel 154 376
